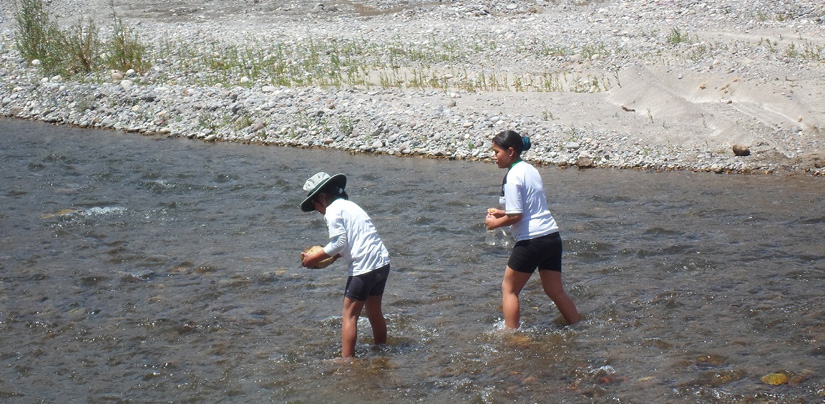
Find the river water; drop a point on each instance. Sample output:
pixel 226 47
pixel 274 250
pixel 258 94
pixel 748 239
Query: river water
pixel 148 269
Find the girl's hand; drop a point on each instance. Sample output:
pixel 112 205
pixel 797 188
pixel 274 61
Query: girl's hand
pixel 495 212
pixel 490 222
pixel 499 218
pixel 309 260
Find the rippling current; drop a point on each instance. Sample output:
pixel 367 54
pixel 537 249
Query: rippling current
pixel 147 269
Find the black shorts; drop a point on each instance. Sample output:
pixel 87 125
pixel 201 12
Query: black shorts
pixel 542 252
pixel 372 283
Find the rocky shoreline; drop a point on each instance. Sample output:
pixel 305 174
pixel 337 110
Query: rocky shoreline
pixel 649 101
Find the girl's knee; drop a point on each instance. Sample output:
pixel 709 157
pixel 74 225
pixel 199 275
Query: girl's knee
pixel 509 292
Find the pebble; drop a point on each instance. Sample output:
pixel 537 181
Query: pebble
pixel 741 150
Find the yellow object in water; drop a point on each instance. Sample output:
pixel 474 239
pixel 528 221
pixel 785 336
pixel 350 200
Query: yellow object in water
pixel 61 212
pixel 775 379
pixel 324 262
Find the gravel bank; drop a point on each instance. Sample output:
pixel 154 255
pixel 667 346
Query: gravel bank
pixel 660 85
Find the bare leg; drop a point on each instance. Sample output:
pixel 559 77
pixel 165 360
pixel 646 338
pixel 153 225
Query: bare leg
pixel 349 326
pixel 377 321
pixel 551 281
pixel 510 288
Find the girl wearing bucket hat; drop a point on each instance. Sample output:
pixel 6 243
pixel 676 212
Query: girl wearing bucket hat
pixel 538 244
pixel 353 238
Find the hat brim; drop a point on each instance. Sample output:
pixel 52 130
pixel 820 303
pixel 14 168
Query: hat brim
pixel 338 180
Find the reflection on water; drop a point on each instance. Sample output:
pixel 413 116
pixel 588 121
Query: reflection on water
pixel 149 269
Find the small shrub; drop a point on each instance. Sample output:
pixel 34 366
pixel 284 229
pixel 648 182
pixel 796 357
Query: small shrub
pixel 38 37
pixel 346 126
pixel 82 47
pixel 125 49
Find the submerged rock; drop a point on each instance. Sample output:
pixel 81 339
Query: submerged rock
pixel 584 162
pixel 775 379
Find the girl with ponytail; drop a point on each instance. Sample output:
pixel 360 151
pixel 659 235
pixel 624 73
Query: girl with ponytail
pixel 538 244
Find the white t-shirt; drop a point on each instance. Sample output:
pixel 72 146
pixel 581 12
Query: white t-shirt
pixel 362 249
pixel 524 193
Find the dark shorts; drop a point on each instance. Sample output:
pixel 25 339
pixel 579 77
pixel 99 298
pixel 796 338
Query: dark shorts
pixel 542 252
pixel 372 283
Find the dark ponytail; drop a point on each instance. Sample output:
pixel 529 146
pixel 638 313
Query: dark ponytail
pixel 509 138
pixel 333 192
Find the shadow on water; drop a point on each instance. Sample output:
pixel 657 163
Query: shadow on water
pixel 150 269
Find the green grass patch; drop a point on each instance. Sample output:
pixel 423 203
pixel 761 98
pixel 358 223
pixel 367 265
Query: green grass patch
pixel 77 49
pixel 676 37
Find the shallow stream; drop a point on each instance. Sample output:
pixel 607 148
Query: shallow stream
pixel 147 269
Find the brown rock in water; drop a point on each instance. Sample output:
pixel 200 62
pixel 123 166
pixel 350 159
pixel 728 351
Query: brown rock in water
pixel 740 150
pixel 819 161
pixel 775 379
pixel 584 162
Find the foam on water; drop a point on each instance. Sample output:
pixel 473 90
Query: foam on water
pixel 103 210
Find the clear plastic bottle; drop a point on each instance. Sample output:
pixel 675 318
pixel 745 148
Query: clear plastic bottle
pixel 490 238
pixel 505 239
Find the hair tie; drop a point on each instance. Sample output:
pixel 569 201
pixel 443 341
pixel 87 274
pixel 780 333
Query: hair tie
pixel 525 143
